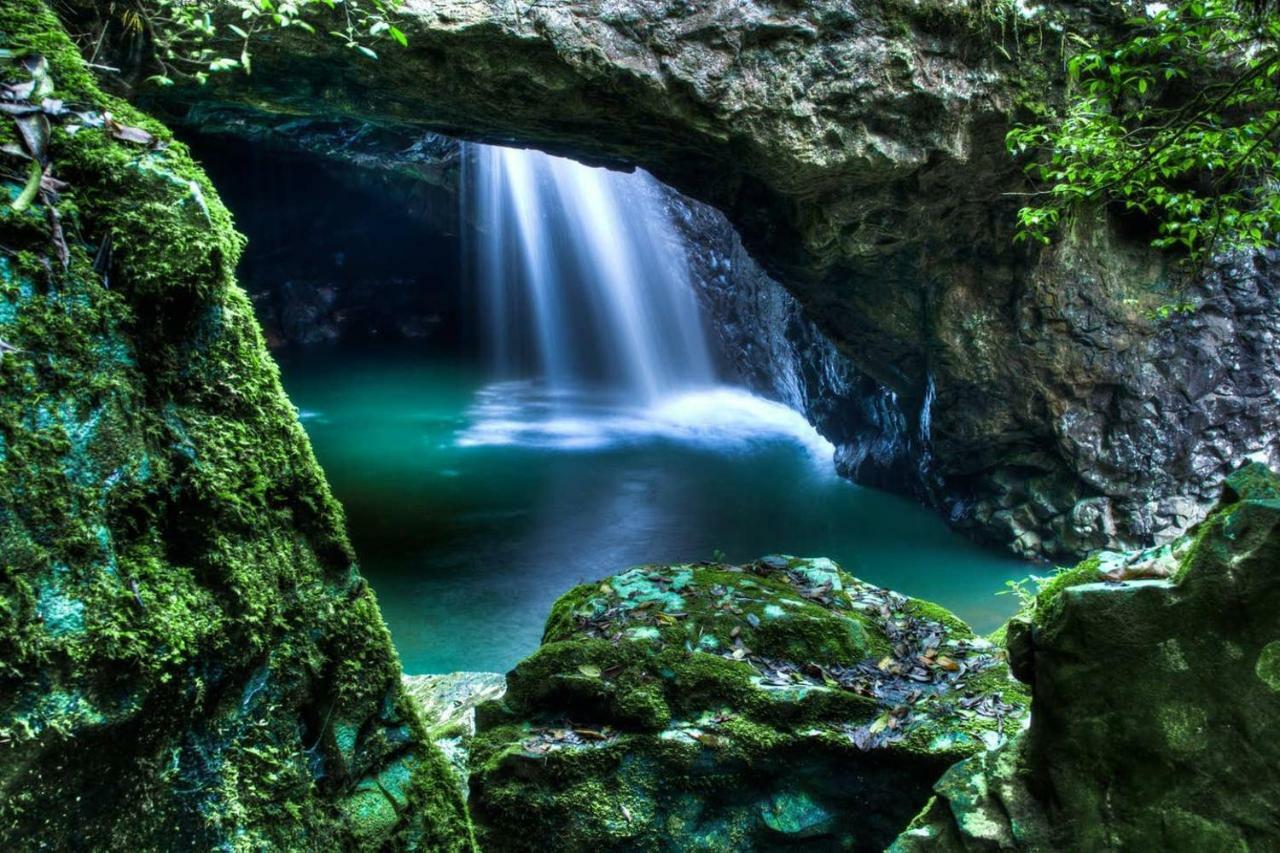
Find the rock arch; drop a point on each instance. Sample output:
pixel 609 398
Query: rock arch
pixel 859 150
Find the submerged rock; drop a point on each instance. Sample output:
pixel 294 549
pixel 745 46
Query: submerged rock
pixel 713 706
pixel 1155 706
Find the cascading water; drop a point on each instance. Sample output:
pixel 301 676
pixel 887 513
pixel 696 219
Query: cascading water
pixel 584 281
pixel 594 330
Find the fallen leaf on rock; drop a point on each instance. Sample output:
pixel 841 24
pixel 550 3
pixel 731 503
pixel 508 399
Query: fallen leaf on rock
pixel 31 189
pixel 50 184
pixel 125 133
pixel 34 132
pixel 57 235
pixel 18 91
pixel 38 67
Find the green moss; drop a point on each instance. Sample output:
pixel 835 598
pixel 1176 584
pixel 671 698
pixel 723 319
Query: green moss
pixel 732 706
pixel 1251 482
pixel 186 647
pixel 1155 702
pixel 1268 665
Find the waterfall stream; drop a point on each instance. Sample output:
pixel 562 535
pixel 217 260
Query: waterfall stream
pixel 583 279
pixel 597 434
pixel 594 331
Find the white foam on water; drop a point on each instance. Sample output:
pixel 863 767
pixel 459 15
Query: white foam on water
pixel 720 418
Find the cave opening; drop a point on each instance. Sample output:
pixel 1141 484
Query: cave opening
pixel 520 373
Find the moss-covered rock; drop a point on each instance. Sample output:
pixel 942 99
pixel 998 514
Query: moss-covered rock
pixel 714 706
pixel 1156 701
pixel 186 647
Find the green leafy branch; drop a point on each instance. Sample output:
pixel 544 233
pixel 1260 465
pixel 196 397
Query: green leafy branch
pixel 1177 119
pixel 193 39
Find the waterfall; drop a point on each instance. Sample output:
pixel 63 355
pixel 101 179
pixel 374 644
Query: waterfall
pixel 595 334
pixel 583 279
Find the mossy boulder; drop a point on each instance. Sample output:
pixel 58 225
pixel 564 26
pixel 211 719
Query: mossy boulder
pixel 1156 702
pixel 188 653
pixel 713 706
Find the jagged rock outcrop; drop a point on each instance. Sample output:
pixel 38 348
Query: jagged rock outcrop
pixel 724 707
pixel 772 347
pixel 188 654
pixel 858 148
pixel 448 706
pixel 1156 694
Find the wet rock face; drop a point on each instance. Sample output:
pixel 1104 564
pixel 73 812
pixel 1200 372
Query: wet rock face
pixel 859 151
pixel 713 706
pixel 768 342
pixel 1148 409
pixel 1156 698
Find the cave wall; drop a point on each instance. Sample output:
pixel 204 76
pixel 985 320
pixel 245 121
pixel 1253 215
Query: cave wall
pixel 340 253
pixel 858 149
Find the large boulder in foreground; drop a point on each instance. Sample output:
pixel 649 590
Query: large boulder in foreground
pixel 188 654
pixel 1156 702
pixel 717 707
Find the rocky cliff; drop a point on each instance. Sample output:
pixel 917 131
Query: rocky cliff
pixel 187 649
pixel 769 343
pixel 858 148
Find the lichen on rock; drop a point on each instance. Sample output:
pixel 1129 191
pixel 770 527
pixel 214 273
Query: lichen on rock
pixel 715 706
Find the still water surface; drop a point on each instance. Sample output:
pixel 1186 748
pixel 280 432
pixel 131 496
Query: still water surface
pixel 473 506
